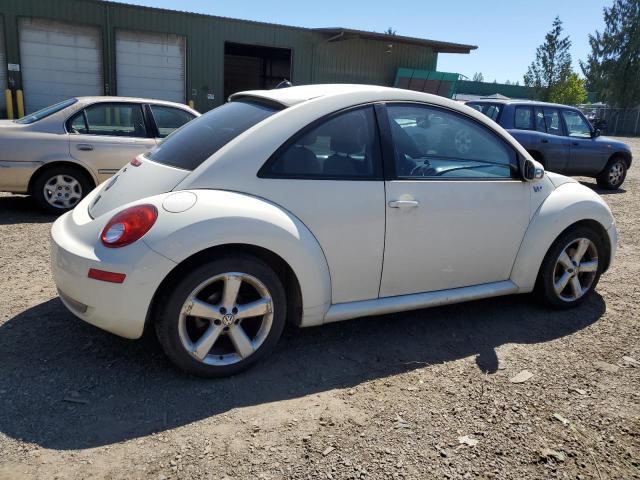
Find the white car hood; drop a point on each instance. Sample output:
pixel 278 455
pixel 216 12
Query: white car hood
pixel 558 179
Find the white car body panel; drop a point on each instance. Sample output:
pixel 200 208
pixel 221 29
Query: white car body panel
pixel 331 233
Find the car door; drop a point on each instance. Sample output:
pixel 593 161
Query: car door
pixel 106 136
pixel 553 142
pixel 329 176
pixel 587 156
pixel 167 119
pixel 456 211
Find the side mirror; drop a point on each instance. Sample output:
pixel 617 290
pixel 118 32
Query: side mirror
pixel 595 133
pixel 532 171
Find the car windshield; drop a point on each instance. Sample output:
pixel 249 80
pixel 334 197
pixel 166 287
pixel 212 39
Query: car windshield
pixel 45 112
pixel 491 110
pixel 196 141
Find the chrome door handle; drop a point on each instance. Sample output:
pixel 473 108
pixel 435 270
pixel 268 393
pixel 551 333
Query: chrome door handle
pixel 403 203
pixel 84 147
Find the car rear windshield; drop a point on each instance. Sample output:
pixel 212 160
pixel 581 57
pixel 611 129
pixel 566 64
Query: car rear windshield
pixel 45 112
pixel 491 110
pixel 196 141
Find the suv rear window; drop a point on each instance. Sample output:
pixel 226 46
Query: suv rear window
pixel 199 139
pixel 491 110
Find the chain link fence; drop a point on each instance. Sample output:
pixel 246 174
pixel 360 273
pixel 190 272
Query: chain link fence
pixel 613 121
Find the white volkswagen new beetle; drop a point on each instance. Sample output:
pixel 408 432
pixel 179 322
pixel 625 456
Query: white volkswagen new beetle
pixel 317 204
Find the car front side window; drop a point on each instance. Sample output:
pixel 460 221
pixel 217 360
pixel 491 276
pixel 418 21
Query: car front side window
pixel 552 120
pixel 577 126
pixel 344 146
pixel 454 147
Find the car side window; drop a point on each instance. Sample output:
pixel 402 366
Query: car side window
pixel 78 124
pixel 433 143
pixel 523 120
pixel 552 120
pixel 114 119
pixel 577 126
pixel 541 126
pixel 345 146
pixel 169 119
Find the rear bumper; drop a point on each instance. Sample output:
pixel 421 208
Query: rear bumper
pixel 117 308
pixel 15 176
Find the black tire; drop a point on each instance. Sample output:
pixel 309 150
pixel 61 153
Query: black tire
pixel 548 270
pixel 167 321
pixel 613 175
pixel 84 186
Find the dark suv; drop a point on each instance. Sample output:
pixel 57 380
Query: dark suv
pixel 561 138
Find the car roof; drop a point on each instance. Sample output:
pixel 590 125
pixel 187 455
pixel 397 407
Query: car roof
pixel 512 101
pixel 104 98
pixel 294 95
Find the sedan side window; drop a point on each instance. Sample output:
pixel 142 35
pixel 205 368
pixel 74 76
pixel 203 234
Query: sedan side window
pixel 438 144
pixel 116 120
pixel 345 146
pixel 577 126
pixel 169 119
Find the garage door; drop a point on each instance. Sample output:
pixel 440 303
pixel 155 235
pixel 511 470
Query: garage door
pixel 3 68
pixel 150 65
pixel 59 60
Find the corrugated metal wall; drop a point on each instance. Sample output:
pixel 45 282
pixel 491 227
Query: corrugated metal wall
pixel 314 60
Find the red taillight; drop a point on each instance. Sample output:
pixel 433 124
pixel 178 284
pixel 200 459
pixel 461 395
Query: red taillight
pixel 135 162
pixel 105 276
pixel 128 226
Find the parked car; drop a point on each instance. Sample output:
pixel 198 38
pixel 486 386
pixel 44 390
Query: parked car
pixel 317 204
pixel 561 139
pixel 60 153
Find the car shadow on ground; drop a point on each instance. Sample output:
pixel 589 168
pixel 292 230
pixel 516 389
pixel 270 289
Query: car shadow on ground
pixel 15 209
pixel 67 385
pixel 602 191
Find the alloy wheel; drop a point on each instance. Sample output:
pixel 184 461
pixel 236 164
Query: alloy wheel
pixel 575 270
pixel 62 191
pixel 616 173
pixel 226 318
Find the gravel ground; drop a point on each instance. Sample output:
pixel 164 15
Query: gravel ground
pixel 425 394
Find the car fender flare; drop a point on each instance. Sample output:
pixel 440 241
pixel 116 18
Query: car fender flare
pixel 565 206
pixel 221 218
pixel 71 162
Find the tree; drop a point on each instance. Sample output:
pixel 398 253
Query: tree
pixel 570 91
pixel 390 31
pixel 612 68
pixel 477 77
pixel 552 64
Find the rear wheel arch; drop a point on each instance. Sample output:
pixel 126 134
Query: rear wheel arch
pixel 62 163
pixel 281 268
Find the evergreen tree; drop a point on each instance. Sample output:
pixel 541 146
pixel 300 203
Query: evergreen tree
pixel 612 68
pixel 552 64
pixel 477 77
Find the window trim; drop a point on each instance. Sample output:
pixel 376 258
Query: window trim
pixel 378 168
pixel 500 106
pixel 389 152
pixel 69 120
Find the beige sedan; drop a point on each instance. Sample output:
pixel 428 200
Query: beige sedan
pixel 60 153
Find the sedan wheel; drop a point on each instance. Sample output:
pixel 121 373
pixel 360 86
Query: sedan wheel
pixel 571 269
pixel 220 318
pixel 62 191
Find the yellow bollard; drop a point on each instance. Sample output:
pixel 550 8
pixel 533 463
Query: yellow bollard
pixel 192 104
pixel 20 103
pixel 9 100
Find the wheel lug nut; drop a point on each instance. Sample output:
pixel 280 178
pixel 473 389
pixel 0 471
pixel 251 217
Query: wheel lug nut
pixel 223 310
pixel 217 322
pixel 234 310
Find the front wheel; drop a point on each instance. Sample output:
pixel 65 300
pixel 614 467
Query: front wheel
pixel 613 175
pixel 571 269
pixel 222 317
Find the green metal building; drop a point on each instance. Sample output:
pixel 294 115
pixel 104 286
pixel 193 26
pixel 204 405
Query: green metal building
pixel 56 49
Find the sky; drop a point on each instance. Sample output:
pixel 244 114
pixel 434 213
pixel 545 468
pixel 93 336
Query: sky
pixel 507 32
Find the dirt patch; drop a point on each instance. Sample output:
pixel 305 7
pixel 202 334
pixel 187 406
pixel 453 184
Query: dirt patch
pixel 436 393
